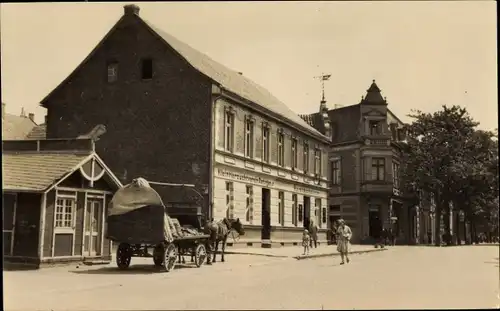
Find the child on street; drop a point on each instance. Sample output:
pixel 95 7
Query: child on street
pixel 306 239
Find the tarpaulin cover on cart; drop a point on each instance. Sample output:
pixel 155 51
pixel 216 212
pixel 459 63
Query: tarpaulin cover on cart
pixel 136 195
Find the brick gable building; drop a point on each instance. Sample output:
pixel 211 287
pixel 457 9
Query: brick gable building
pixel 173 114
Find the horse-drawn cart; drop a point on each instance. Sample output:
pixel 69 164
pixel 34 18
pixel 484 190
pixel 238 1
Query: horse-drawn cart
pixel 139 223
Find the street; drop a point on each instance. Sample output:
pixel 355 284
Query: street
pixel 402 277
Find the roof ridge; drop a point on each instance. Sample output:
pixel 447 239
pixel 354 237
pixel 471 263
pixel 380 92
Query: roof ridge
pixel 231 79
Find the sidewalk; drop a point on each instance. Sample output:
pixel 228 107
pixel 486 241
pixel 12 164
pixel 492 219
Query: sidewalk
pixel 296 251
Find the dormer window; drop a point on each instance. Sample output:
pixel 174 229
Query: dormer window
pixel 375 127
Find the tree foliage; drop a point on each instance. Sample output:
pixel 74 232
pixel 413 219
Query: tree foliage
pixel 447 156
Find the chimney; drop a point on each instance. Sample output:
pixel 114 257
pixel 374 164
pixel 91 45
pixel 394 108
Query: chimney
pixel 31 116
pixel 131 9
pixel 23 113
pixel 3 109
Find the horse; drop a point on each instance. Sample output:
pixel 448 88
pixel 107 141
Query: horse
pixel 219 231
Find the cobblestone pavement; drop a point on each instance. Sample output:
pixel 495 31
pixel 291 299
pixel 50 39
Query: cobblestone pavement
pixel 402 277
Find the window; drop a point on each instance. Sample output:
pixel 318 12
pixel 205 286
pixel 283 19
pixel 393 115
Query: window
pixel 301 213
pixel 147 69
pixel 317 161
pixel 323 215
pixel 229 131
pixel 378 169
pixel 294 210
pixel 229 200
pixel 281 149
pixel 336 172
pixel 281 208
pixel 265 143
pixel 394 131
pixel 112 72
pixel 249 138
pixel 319 209
pixel 294 153
pixel 64 213
pixel 249 208
pixel 375 127
pixel 306 158
pixel 395 175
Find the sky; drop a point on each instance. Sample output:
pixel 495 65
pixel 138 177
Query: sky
pixel 422 54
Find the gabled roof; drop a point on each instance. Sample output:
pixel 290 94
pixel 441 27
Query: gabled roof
pixel 16 127
pixel 37 172
pixel 38 132
pixel 228 79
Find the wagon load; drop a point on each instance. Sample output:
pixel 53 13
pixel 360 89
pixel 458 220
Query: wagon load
pixel 136 210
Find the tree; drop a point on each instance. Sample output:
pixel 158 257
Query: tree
pixel 432 159
pixel 476 187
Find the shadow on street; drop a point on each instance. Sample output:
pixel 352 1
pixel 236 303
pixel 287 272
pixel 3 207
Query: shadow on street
pixel 133 269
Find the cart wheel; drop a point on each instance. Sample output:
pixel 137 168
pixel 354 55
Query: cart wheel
pixel 200 255
pixel 123 256
pixel 158 255
pixel 170 258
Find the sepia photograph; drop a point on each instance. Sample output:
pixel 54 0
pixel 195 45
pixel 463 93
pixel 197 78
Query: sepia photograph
pixel 252 155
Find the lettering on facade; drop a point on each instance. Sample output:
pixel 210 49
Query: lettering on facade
pixel 244 177
pixel 305 190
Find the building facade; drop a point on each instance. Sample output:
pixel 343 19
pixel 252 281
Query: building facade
pixel 172 114
pixel 364 167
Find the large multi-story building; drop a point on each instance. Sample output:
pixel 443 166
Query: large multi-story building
pixel 364 166
pixel 175 115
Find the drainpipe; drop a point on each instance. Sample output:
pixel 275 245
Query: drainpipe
pixel 211 184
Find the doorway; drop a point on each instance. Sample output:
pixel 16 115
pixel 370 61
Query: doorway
pixel 374 222
pixel 307 211
pixel 93 228
pixel 266 214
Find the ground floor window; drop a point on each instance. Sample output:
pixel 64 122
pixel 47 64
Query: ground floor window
pixel 64 213
pixel 323 215
pixel 249 206
pixel 301 213
pixel 229 200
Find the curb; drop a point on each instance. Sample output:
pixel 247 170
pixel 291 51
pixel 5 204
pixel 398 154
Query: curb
pixel 254 254
pixel 307 256
pixel 338 254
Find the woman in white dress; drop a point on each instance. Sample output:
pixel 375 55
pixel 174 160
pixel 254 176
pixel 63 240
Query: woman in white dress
pixel 344 235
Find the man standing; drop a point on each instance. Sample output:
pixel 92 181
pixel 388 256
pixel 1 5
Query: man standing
pixel 313 231
pixel 344 235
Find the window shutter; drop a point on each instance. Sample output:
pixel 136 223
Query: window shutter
pixel 287 144
pixel 273 145
pixel 257 128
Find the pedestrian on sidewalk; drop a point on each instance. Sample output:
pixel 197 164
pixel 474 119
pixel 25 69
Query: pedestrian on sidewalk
pixel 344 234
pixel 313 230
pixel 306 239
